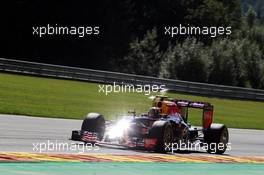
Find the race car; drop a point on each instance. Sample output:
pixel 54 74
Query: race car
pixel 160 130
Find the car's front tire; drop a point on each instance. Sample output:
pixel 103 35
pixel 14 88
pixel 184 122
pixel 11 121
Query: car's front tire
pixel 94 122
pixel 163 132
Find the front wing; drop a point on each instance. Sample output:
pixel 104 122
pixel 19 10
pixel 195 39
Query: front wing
pixel 129 142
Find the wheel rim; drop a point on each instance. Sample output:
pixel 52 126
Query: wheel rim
pixel 167 135
pixel 224 138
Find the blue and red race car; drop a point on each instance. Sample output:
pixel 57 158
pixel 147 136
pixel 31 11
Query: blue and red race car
pixel 164 128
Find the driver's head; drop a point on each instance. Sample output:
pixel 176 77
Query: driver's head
pixel 154 112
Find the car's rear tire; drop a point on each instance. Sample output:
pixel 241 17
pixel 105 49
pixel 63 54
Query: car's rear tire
pixel 217 137
pixel 94 122
pixel 163 132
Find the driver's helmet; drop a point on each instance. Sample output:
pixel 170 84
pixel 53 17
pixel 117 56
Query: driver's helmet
pixel 154 112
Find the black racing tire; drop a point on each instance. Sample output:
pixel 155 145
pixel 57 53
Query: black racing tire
pixel 163 132
pixel 214 136
pixel 94 122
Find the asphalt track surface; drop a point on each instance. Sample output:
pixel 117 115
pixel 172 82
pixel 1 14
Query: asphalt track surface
pixel 23 133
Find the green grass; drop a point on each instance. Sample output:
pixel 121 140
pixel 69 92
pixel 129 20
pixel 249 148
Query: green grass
pixel 48 97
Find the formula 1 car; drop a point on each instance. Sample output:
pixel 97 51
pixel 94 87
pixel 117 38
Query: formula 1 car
pixel 160 130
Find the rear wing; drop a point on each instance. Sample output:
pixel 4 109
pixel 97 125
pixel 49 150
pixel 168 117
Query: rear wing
pixel 183 105
pixel 192 104
pixel 207 108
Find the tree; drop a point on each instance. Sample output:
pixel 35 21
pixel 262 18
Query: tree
pixel 260 10
pixel 144 55
pixel 186 61
pixel 254 63
pixel 251 16
pixel 214 12
pixel 168 65
pixel 228 66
